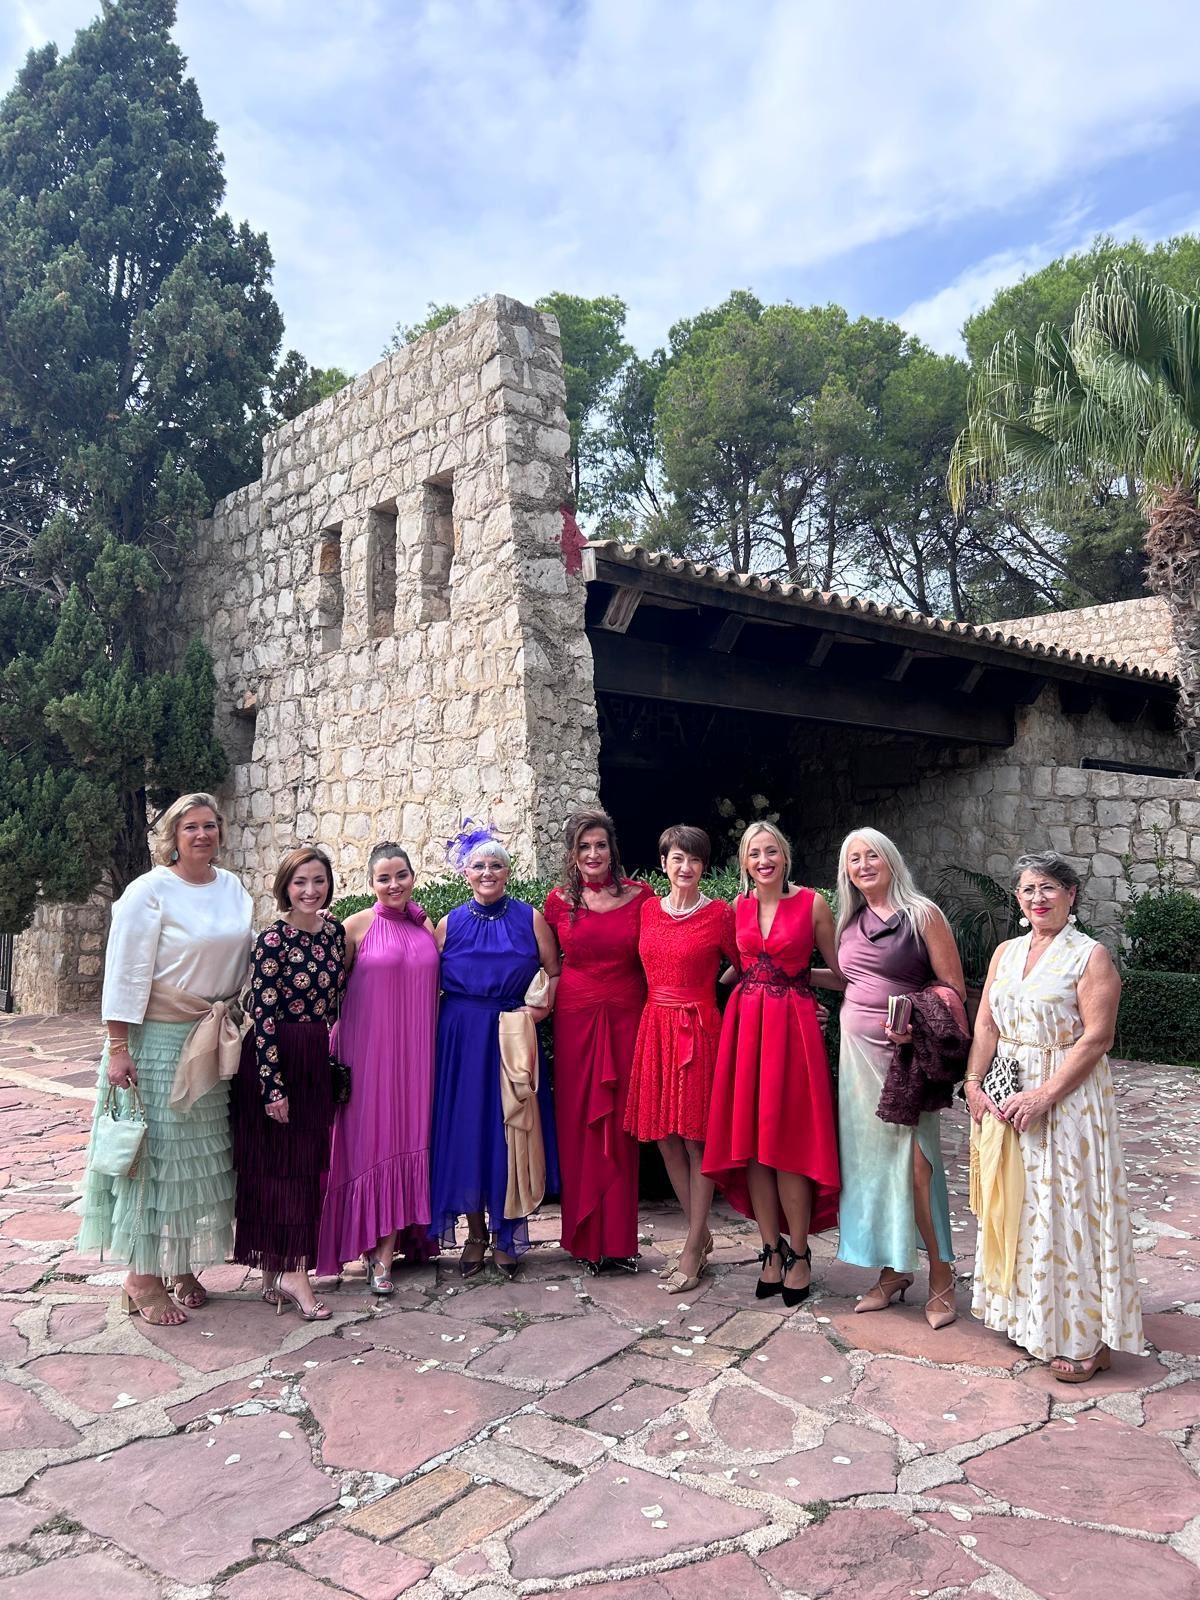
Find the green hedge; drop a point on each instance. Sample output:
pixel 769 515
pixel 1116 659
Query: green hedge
pixel 1159 1018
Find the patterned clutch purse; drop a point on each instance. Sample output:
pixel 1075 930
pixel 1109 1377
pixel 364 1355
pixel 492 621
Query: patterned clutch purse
pixel 1002 1079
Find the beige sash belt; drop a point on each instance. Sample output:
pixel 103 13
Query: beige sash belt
pixel 211 1050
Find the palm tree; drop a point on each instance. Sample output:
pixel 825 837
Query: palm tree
pixel 1116 397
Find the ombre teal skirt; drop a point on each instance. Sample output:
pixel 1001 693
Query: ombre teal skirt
pixel 175 1214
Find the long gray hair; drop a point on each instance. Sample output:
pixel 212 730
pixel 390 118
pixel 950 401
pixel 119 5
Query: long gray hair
pixel 904 894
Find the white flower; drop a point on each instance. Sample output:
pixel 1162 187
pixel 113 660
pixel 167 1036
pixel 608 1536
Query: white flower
pixel 759 802
pixel 725 808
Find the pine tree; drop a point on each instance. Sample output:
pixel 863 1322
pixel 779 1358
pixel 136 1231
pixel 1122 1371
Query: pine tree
pixel 137 337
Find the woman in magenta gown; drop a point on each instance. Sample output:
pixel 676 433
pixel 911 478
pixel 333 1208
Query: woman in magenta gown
pixel 596 917
pixel 377 1199
pixel 772 1117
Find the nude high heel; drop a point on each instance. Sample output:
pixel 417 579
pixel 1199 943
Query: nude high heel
pixel 940 1309
pixel 885 1291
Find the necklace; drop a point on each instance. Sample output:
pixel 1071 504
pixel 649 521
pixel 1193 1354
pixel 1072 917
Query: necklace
pixel 488 913
pixel 682 916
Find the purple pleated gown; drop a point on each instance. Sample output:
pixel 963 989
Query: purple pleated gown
pixel 379 1164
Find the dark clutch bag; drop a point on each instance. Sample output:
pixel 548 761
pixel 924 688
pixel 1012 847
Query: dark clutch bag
pixel 1002 1080
pixel 341 1081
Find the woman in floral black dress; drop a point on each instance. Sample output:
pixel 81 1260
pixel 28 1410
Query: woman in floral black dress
pixel 283 1099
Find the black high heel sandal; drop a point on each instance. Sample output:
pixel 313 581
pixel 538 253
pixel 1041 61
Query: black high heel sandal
pixel 764 1291
pixel 468 1266
pixel 794 1297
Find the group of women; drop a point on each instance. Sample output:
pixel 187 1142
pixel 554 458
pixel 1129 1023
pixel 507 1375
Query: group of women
pixel 439 1126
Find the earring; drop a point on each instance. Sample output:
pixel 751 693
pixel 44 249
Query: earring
pixel 1024 922
pixel 1072 919
pixel 174 855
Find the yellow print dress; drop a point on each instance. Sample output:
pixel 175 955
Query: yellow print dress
pixel 1075 1283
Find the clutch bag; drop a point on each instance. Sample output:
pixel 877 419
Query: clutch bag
pixel 116 1137
pixel 1002 1079
pixel 341 1081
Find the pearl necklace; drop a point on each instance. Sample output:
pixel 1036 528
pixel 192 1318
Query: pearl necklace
pixel 682 916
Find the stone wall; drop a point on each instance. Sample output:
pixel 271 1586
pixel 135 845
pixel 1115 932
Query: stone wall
pixel 58 963
pixel 980 808
pixel 1135 631
pixel 397 641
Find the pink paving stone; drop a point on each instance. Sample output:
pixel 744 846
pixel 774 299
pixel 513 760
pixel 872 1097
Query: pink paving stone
pixel 543 1354
pixel 903 1331
pixel 192 1505
pixel 1128 1372
pixel 940 1408
pixel 734 1577
pixel 430 1337
pixel 235 1393
pixel 582 1395
pixel 273 1580
pixel 504 1302
pixel 555 1440
pixel 333 1347
pixel 744 1419
pixel 639 1302
pixel 70 1324
pixel 18 1520
pixel 848 1461
pixel 1101 1469
pixel 1175 1332
pixel 674 1371
pixel 22 1277
pixel 635 1408
pixel 797 1364
pixel 227 1278
pixel 26 1424
pixel 222 1334
pixel 12 1343
pixel 1164 1285
pixel 385 1416
pixel 41 1225
pixel 93 1382
pixel 1178 1407
pixel 602 1516
pixel 360 1567
pixel 868 1555
pixel 80 1578
pixel 1060 1562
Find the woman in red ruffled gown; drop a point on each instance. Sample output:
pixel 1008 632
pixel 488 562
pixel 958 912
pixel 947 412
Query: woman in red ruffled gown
pixel 684 940
pixel 595 915
pixel 772 1114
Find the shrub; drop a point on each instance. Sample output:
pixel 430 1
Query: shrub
pixel 1162 930
pixel 1159 1017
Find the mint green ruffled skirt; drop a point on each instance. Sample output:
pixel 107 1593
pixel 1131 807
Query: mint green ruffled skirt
pixel 176 1214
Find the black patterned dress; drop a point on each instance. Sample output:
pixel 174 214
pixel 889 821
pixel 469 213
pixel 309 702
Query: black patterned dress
pixel 296 981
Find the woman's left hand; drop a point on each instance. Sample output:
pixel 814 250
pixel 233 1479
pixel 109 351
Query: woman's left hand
pixel 898 1038
pixel 1022 1110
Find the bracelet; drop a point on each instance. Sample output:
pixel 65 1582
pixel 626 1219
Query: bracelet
pixel 972 1078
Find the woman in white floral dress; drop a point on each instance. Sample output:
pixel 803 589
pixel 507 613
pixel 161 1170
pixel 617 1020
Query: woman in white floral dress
pixel 1054 1266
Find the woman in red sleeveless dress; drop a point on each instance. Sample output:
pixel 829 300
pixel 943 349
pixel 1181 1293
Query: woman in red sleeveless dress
pixel 772 1115
pixel 596 916
pixel 685 938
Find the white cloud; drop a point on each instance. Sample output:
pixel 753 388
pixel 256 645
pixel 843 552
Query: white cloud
pixel 399 151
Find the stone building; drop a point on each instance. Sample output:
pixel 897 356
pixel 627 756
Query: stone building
pixel 407 629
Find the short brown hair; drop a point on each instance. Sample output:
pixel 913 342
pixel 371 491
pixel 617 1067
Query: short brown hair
pixel 682 836
pixel 290 866
pixel 165 848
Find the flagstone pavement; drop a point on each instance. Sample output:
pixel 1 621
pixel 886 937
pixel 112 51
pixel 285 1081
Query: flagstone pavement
pixel 569 1433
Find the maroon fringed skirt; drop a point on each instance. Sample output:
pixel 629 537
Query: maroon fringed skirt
pixel 281 1167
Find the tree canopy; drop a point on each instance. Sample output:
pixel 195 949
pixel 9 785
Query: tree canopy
pixel 138 338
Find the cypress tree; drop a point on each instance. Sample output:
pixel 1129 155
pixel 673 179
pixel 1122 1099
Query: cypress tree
pixel 137 337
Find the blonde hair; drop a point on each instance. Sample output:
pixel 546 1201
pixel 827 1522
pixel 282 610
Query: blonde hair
pixel 165 829
pixel 904 894
pixel 745 881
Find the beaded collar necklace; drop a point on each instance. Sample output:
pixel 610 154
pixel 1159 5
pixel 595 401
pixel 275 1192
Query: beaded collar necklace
pixel 488 913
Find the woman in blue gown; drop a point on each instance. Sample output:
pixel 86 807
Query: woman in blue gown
pixel 492 947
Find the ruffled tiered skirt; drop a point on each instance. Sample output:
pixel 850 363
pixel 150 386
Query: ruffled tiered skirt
pixel 176 1213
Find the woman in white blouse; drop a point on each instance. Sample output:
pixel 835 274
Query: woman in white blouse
pixel 178 953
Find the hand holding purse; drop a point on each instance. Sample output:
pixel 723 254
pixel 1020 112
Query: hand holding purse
pixel 116 1138
pixel 1002 1079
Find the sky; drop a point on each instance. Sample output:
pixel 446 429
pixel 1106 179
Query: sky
pixel 901 160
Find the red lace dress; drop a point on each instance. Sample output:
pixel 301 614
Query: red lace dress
pixel 773 1096
pixel 680 1027
pixel 597 1007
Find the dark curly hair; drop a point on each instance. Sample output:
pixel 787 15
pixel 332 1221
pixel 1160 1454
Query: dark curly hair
pixel 575 827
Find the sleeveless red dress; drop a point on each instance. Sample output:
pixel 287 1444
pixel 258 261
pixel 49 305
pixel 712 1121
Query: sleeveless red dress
pixel 597 1008
pixel 680 1027
pixel 772 1094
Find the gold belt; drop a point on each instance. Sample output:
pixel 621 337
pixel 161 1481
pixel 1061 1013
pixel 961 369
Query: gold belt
pixel 1040 1044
